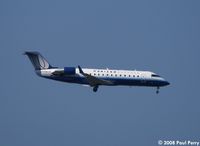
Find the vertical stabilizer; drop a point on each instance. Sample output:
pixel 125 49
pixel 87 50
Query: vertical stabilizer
pixel 38 61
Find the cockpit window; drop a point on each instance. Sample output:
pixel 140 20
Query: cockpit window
pixel 154 75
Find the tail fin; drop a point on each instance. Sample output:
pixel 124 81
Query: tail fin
pixel 38 61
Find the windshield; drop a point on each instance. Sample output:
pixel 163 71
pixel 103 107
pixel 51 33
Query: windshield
pixel 154 75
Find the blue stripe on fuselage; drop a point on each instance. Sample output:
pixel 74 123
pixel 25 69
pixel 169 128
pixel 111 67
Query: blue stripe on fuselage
pixel 115 80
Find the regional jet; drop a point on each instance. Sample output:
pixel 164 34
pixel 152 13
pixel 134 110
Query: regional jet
pixel 95 77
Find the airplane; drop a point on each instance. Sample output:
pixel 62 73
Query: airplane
pixel 95 77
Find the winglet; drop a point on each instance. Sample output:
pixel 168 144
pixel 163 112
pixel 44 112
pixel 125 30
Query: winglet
pixel 80 70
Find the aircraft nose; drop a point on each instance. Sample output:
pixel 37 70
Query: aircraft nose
pixel 167 83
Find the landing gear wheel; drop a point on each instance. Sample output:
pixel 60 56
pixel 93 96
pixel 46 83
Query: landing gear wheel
pixel 95 88
pixel 157 91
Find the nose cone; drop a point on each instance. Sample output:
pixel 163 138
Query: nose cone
pixel 166 83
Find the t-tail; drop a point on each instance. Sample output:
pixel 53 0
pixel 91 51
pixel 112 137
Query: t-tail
pixel 38 61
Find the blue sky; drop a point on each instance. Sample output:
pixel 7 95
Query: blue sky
pixel 160 36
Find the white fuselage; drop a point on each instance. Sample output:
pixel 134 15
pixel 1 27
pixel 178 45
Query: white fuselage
pixel 94 77
pixel 118 77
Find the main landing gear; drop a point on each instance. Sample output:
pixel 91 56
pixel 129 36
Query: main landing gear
pixel 157 91
pixel 95 88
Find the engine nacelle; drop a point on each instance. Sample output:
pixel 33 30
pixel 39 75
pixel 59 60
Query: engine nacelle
pixel 69 70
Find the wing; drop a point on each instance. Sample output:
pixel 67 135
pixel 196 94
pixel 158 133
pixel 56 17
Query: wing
pixel 94 81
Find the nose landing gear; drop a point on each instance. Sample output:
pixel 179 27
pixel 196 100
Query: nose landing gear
pixel 95 88
pixel 157 91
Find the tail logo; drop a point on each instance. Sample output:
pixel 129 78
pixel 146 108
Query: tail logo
pixel 43 63
pixel 38 61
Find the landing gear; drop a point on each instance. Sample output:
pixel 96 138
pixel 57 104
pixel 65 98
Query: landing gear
pixel 157 91
pixel 95 88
